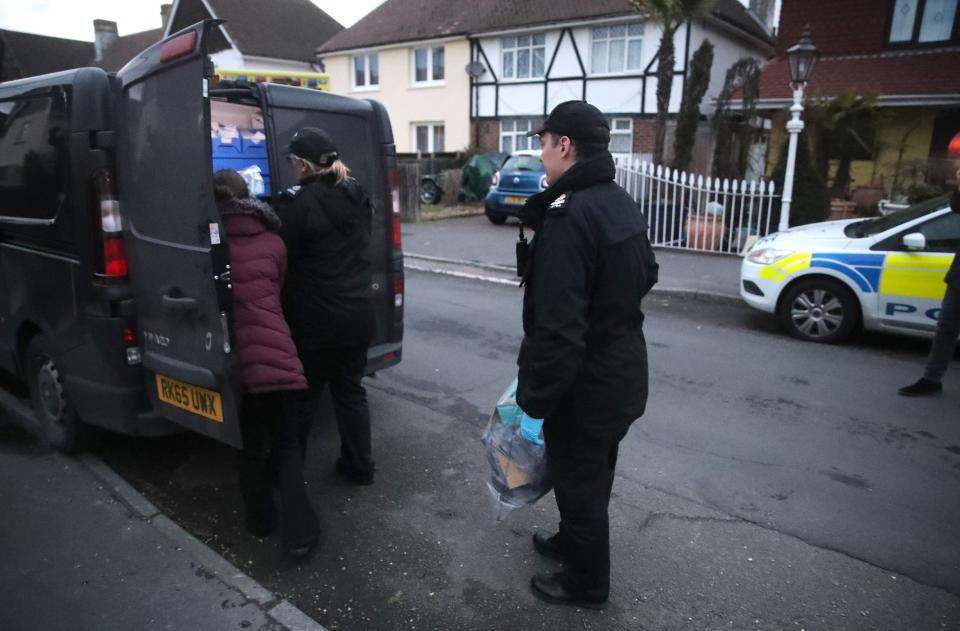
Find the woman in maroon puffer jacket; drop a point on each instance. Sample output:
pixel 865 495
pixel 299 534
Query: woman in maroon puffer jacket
pixel 269 366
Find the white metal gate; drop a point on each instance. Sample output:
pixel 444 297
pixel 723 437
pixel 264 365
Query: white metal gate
pixel 693 212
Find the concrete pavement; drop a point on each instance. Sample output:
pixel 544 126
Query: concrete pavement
pixel 83 550
pixel 472 247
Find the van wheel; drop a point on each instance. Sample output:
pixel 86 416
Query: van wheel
pixel 58 422
pixel 820 310
pixel 497 218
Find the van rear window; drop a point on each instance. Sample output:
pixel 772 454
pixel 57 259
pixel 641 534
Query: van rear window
pixel 33 155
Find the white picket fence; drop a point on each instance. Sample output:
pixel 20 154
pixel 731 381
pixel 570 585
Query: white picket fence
pixel 693 212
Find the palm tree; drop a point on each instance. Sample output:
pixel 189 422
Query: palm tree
pixel 671 14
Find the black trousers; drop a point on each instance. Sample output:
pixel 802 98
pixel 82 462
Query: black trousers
pixel 272 432
pixel 342 369
pixel 582 466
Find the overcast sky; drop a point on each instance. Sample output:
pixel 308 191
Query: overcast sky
pixel 73 19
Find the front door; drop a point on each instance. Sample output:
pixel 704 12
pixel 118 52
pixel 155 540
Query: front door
pixel 178 259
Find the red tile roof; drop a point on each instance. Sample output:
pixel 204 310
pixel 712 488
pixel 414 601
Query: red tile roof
pixel 890 73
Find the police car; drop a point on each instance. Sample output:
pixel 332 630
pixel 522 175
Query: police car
pixel 825 279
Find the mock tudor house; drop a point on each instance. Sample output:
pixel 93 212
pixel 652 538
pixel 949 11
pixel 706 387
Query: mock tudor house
pixel 904 52
pixel 482 73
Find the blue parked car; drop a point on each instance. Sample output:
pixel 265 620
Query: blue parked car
pixel 520 177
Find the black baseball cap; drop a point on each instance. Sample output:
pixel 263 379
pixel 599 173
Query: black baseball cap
pixel 577 120
pixel 313 144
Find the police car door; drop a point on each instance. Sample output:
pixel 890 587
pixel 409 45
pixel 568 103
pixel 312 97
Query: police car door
pixel 177 257
pixel 911 285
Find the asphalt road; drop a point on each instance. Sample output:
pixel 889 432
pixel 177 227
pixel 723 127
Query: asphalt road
pixel 772 484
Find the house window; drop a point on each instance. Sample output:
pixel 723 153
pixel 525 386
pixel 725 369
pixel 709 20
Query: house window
pixel 427 137
pixel 366 71
pixel 523 56
pixel 923 21
pixel 621 135
pixel 428 65
pixel 513 134
pixel 616 48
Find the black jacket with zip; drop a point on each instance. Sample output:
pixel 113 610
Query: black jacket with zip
pixel 326 297
pixel 589 267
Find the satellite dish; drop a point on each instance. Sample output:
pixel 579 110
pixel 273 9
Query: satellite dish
pixel 475 69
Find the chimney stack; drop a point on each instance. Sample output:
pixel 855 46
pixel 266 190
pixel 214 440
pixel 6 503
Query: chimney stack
pixel 164 15
pixel 104 34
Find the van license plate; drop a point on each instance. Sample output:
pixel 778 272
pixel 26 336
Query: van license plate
pixel 516 200
pixel 191 398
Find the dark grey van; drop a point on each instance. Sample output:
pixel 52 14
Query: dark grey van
pixel 115 294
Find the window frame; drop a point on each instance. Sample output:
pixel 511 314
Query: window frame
pixel 367 86
pixel 627 37
pixel 514 133
pixel 515 49
pixel 430 81
pixel 612 121
pixel 914 41
pixel 431 136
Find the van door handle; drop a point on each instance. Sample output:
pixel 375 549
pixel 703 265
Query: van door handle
pixel 178 303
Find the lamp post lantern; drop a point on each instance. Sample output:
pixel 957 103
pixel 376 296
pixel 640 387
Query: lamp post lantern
pixel 802 57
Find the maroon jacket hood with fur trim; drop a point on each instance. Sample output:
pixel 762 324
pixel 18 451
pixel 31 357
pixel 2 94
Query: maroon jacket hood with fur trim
pixel 258 261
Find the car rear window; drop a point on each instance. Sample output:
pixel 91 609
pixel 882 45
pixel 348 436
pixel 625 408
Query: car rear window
pixel 523 163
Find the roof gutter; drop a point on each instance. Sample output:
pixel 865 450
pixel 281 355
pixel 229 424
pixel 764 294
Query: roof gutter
pixel 888 100
pixel 391 45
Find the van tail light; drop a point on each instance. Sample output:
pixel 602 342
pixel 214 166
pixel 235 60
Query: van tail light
pixel 543 182
pixel 114 264
pixel 495 179
pixel 394 190
pixel 398 292
pixel 179 46
pixel 130 344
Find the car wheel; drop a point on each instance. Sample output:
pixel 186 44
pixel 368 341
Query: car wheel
pixel 57 420
pixel 820 310
pixel 497 218
pixel 429 192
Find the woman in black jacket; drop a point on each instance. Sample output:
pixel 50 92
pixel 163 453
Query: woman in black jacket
pixel 326 227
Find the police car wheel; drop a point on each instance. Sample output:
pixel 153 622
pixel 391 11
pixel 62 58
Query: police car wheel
pixel 820 310
pixel 57 420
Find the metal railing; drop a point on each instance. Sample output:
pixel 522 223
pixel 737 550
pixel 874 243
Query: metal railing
pixel 693 212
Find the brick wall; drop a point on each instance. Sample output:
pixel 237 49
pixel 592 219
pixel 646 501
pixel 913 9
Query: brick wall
pixel 850 26
pixel 486 135
pixel 644 136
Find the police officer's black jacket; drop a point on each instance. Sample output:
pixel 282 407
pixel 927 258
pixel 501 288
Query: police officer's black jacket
pixel 589 267
pixel 953 274
pixel 326 297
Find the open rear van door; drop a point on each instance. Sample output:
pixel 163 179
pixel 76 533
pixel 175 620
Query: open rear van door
pixel 178 259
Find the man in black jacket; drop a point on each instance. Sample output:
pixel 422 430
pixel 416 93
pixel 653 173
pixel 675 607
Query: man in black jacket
pixel 583 359
pixel 948 326
pixel 326 300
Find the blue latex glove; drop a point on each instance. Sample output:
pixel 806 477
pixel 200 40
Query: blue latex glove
pixel 530 428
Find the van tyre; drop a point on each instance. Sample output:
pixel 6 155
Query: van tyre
pixel 820 310
pixel 497 218
pixel 57 419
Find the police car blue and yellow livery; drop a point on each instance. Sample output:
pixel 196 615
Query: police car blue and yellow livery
pixel 885 273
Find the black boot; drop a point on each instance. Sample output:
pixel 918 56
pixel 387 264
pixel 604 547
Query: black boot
pixel 549 545
pixel 548 588
pixel 922 388
pixel 354 475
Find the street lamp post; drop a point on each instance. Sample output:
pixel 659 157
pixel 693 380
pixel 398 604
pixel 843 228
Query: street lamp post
pixel 802 57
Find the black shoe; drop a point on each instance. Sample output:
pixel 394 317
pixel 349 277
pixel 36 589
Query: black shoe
pixel 302 552
pixel 547 588
pixel 548 545
pixel 354 475
pixel 922 388
pixel 260 518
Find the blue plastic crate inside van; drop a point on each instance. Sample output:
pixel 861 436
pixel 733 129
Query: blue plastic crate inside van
pixel 246 149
